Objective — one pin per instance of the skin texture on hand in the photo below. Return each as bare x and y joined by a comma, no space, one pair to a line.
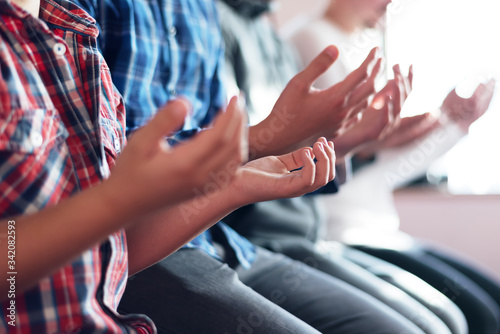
465,111
408,130
289,175
380,119
150,175
462,111
267,178
303,113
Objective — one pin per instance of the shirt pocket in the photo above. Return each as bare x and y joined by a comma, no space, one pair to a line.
32,131
35,170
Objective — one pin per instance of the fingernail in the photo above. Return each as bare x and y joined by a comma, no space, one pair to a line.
187,103
378,103
332,51
233,126
242,101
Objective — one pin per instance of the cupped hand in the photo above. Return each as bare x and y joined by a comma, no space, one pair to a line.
463,111
380,119
149,175
285,176
304,113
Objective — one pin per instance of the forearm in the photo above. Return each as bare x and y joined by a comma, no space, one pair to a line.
264,179
159,235
273,136
47,240
302,113
347,144
264,140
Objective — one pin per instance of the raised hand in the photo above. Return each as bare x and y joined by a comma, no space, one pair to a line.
304,113
379,120
149,175
289,175
464,112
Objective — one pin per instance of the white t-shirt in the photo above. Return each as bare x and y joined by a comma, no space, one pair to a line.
353,48
363,211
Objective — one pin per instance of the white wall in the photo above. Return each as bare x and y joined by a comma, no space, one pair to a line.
466,224
293,14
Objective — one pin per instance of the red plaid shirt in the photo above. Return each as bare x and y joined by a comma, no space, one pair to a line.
61,127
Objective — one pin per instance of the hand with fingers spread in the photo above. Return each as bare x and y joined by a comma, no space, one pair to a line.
459,110
464,112
304,113
150,175
380,119
290,175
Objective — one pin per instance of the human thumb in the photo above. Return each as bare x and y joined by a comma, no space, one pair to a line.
319,65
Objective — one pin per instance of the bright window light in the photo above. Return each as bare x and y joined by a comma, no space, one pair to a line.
452,42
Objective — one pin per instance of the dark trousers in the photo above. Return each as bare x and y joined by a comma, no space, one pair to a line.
472,291
190,292
419,302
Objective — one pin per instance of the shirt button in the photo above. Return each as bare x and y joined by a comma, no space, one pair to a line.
36,139
84,54
117,145
172,31
173,92
59,49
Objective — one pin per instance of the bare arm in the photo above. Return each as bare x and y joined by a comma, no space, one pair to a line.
147,177
380,119
303,113
455,109
264,179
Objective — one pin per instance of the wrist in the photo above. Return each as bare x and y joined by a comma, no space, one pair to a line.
446,119
115,203
275,135
236,195
348,144
259,141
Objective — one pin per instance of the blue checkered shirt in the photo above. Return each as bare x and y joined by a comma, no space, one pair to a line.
158,50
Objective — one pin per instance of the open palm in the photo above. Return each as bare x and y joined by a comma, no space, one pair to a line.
288,175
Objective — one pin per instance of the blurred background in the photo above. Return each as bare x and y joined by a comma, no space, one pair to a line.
450,43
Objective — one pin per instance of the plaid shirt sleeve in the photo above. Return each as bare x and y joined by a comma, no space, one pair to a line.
158,51
61,128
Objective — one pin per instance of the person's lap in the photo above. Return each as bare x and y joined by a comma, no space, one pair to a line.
190,292
328,304
331,260
482,279
480,309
